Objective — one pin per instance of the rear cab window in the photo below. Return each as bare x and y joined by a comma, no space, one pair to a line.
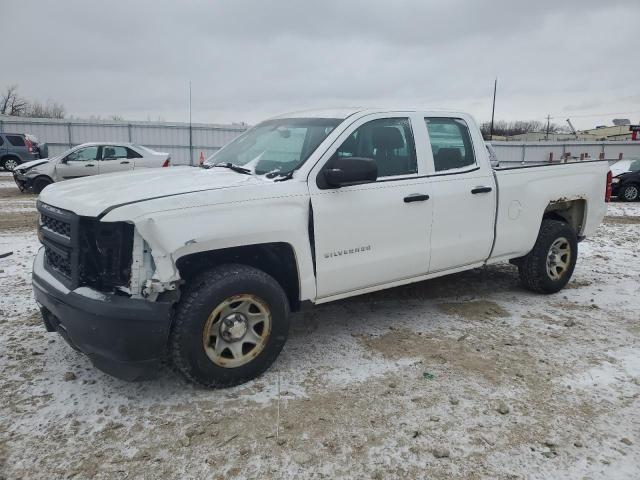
451,144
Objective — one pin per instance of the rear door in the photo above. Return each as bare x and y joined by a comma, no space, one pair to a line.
16,145
372,234
115,158
79,163
463,190
3,146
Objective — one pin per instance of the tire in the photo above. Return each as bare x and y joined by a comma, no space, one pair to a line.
41,182
9,163
629,193
547,268
212,304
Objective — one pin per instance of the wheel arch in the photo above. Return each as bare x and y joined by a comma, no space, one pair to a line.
277,259
43,176
570,211
7,156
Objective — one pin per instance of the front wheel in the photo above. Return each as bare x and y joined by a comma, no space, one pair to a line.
549,266
41,182
230,326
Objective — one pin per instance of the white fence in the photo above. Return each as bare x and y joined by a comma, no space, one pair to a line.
537,152
183,142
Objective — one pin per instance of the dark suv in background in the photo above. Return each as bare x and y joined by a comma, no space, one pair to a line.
626,180
17,148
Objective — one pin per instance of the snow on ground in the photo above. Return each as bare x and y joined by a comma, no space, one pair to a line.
467,376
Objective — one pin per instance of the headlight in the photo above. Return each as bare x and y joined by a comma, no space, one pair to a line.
39,228
615,180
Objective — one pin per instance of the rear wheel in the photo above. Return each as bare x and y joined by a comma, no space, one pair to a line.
9,163
41,182
230,326
630,193
549,266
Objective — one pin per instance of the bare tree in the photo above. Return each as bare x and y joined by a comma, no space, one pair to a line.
50,110
507,129
11,103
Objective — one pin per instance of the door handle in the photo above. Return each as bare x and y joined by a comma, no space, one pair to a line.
481,190
89,165
124,163
416,197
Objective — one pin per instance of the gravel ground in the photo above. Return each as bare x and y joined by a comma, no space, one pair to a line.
467,376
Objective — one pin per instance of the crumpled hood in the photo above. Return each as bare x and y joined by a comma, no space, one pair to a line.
32,163
91,196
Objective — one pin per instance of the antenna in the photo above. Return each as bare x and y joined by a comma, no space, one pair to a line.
493,110
190,130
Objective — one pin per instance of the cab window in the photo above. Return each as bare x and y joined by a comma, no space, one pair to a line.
389,141
450,143
83,155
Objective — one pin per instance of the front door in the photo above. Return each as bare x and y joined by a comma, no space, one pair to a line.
79,163
376,233
464,197
114,159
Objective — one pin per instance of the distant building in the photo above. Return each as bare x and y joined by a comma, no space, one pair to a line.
601,132
621,121
616,132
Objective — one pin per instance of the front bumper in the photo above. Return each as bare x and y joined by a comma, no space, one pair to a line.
22,181
124,337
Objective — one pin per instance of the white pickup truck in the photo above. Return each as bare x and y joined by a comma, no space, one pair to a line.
203,266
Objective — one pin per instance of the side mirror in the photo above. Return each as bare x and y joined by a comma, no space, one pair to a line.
351,171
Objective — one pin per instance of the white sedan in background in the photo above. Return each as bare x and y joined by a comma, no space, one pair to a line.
86,160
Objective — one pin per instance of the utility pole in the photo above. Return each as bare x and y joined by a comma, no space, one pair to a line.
493,110
190,130
546,137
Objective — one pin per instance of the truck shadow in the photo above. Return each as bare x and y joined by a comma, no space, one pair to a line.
452,303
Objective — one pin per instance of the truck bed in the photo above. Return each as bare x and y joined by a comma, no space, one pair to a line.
526,192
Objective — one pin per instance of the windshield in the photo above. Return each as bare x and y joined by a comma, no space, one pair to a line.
277,146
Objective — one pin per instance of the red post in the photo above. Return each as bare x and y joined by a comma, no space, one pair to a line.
620,156
601,156
581,156
551,157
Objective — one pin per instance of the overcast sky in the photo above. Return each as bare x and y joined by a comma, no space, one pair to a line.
248,60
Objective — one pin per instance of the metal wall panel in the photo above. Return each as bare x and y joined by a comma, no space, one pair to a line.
539,152
173,138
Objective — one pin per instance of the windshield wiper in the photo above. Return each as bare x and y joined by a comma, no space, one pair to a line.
235,168
281,176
